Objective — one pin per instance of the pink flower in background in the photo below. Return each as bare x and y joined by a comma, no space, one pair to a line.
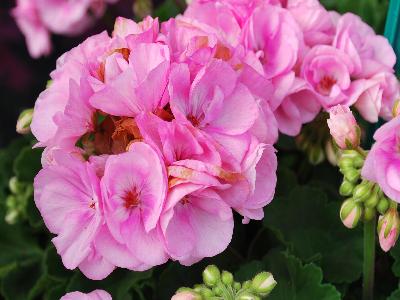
36,34
369,52
383,162
343,127
37,19
95,295
314,20
273,34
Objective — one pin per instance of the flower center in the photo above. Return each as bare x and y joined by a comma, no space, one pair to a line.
131,199
101,70
325,84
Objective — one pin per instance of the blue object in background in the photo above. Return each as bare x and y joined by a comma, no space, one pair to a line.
392,29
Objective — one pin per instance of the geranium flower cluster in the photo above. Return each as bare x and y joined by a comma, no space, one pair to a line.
37,19
156,134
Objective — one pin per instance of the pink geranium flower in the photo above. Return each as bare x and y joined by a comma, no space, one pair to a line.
68,197
134,188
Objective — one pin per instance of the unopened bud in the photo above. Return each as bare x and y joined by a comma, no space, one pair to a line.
362,191
211,275
246,285
388,229
316,155
343,127
263,283
237,286
383,205
227,278
186,295
24,121
217,290
332,152
352,175
15,186
350,213
373,199
346,188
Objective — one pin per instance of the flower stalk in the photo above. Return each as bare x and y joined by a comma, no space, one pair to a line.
369,259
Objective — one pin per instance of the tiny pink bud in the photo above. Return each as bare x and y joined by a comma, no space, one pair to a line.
388,229
343,127
185,296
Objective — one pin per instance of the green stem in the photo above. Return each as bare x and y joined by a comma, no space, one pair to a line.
369,259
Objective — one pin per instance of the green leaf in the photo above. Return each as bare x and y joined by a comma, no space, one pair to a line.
27,164
395,295
53,265
118,284
311,228
166,10
55,292
395,253
297,281
249,270
24,282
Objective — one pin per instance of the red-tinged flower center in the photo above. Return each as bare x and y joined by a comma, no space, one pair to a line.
131,199
92,205
185,200
326,83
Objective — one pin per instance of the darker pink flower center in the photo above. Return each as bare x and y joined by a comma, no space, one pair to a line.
131,199
326,84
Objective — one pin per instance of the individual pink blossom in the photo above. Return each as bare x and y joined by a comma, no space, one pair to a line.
196,222
226,17
388,229
383,164
212,103
95,295
68,197
314,20
135,83
52,102
273,34
369,52
36,34
343,127
134,188
300,104
329,71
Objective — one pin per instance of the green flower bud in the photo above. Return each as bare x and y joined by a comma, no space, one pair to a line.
246,285
217,290
211,275
383,205
263,283
316,155
24,121
237,286
369,213
352,175
346,188
345,163
227,278
248,296
373,199
14,185
358,162
350,213
198,287
362,191
206,292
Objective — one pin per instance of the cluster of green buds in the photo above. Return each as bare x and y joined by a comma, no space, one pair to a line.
365,198
219,285
17,200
